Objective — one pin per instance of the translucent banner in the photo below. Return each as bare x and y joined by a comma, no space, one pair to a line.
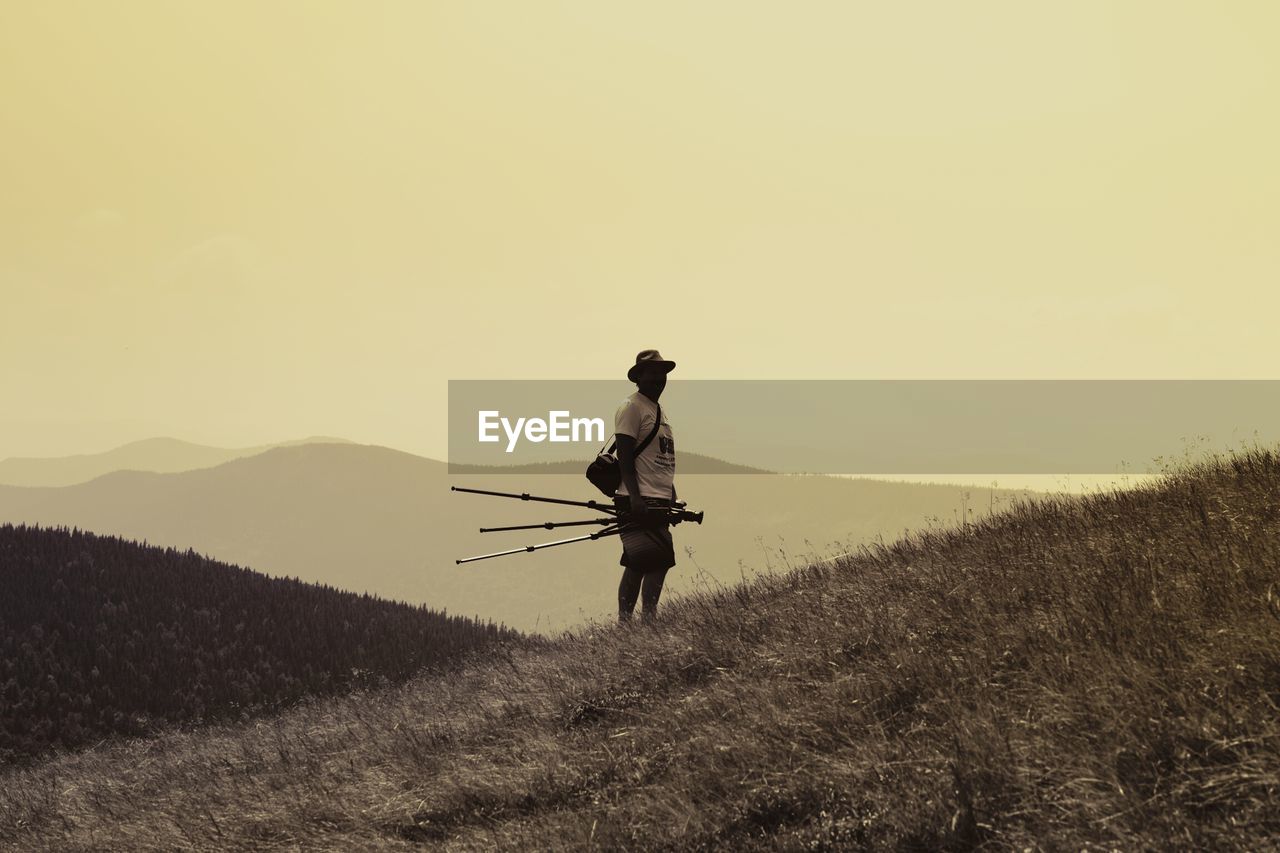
865,426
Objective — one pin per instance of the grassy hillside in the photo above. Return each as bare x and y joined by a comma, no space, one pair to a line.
1085,671
101,637
373,519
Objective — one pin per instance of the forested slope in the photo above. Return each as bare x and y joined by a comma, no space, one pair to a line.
100,637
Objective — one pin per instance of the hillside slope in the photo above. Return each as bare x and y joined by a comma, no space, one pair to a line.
368,518
100,637
1081,671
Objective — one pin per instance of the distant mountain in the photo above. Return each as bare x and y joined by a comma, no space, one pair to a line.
161,455
690,463
369,518
101,637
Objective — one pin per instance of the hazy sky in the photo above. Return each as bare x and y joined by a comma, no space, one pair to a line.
239,222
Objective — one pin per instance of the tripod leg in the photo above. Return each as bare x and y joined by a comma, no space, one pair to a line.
608,531
550,525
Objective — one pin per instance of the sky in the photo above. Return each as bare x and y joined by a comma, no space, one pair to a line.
243,222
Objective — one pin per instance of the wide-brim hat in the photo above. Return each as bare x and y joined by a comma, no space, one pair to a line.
649,356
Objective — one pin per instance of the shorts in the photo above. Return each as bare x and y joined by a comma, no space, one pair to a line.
649,547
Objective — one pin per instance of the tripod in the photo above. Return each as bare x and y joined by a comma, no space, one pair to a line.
612,523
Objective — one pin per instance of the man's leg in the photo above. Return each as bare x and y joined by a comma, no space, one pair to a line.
628,592
651,589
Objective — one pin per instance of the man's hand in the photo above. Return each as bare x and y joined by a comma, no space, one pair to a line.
640,512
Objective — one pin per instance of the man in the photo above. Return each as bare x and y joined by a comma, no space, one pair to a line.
647,462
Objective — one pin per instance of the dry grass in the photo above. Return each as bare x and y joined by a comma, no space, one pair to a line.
1096,672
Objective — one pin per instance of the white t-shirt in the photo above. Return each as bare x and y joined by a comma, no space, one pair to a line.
656,466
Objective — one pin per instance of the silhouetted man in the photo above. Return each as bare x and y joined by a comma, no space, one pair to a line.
647,459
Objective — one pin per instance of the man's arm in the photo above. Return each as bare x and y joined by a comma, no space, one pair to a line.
627,466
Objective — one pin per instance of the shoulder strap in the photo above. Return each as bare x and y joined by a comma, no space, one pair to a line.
657,424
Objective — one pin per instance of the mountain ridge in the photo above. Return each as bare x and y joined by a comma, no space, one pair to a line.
376,519
161,454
